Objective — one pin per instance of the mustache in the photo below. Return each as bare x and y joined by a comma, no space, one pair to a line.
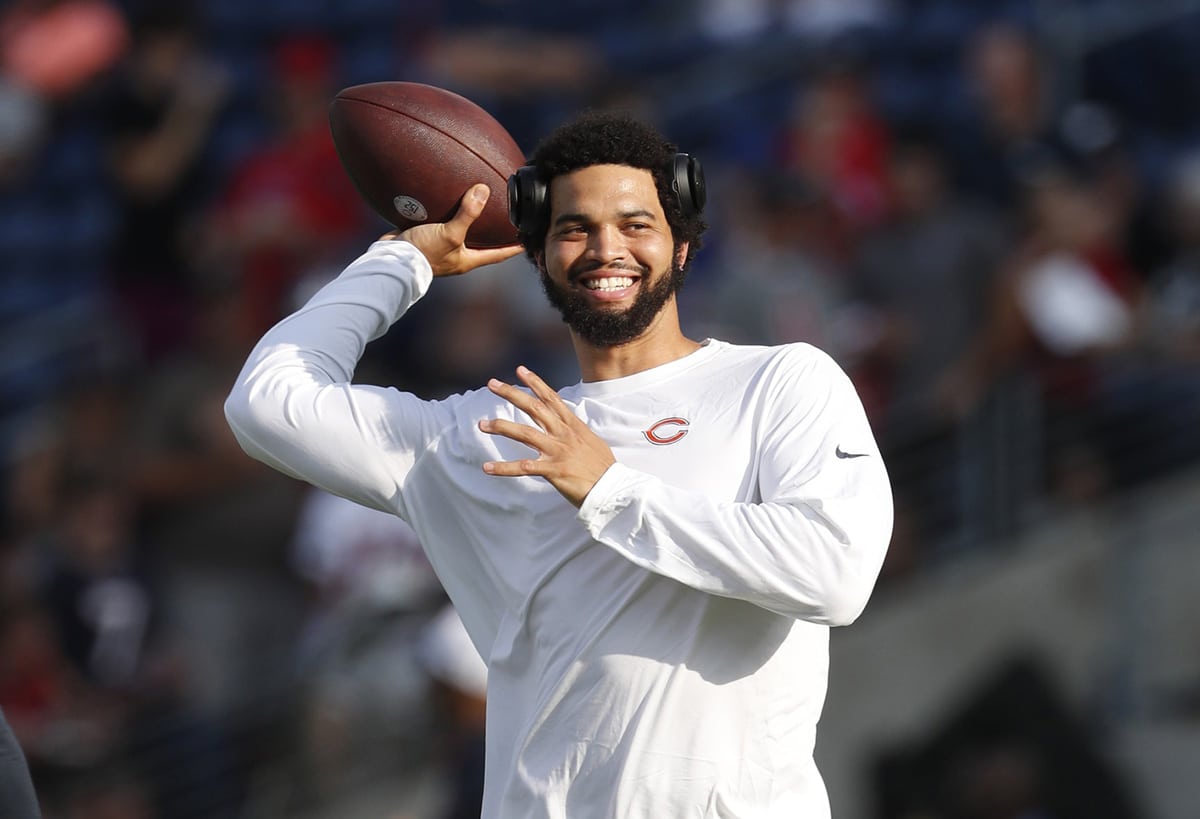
583,267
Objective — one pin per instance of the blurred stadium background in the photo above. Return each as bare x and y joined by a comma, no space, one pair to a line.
989,212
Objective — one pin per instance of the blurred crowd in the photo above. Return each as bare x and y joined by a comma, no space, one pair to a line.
992,223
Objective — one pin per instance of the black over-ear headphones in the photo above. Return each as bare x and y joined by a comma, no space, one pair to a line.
529,201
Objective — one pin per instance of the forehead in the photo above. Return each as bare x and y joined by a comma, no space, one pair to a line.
598,188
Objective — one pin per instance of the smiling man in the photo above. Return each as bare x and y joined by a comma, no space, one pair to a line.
605,247
649,560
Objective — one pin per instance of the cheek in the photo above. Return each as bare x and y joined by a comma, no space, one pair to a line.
558,259
656,256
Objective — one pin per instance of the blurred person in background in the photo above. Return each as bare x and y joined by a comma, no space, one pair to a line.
362,691
61,723
1152,387
468,340
680,546
100,584
1171,321
97,581
60,49
55,325
1015,103
1017,109
782,273
287,210
835,138
85,426
459,692
358,560
163,107
923,278
465,334
525,60
1065,307
220,525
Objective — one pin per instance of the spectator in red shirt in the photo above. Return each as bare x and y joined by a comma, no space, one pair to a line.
289,207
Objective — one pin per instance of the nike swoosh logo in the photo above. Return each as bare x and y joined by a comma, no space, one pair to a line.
843,454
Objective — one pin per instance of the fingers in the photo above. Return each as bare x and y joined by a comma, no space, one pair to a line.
531,405
533,438
493,255
512,469
540,388
543,405
522,433
537,407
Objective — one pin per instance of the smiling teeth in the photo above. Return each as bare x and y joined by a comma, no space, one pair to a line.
612,283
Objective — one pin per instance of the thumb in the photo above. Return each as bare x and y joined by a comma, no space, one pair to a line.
472,204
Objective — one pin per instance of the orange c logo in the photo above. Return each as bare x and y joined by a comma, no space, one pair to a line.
666,431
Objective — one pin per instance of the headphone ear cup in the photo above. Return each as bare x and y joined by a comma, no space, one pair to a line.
688,184
526,200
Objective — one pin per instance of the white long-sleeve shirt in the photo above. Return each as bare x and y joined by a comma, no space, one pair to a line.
661,651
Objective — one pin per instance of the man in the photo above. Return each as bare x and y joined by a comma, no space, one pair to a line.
650,559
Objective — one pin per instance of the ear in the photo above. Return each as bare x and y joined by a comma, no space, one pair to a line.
681,253
539,261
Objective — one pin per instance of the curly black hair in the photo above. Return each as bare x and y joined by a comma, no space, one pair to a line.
614,138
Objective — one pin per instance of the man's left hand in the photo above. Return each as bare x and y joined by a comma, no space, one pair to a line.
570,456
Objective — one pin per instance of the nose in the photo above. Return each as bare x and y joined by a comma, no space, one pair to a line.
605,244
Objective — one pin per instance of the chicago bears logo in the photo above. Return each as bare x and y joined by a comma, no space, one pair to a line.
666,431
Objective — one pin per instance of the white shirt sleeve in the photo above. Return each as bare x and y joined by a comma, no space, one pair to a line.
294,408
810,548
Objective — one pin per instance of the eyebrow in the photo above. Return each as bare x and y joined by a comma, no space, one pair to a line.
639,213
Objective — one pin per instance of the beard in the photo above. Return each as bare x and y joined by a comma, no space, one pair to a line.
602,327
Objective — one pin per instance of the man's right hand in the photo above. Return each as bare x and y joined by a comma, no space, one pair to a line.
443,243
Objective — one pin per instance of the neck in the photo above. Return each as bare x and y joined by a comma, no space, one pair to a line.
662,343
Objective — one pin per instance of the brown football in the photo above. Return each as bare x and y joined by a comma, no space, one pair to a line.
413,150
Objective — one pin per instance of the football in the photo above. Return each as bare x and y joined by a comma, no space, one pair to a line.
413,150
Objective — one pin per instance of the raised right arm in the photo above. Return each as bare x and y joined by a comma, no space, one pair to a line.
294,407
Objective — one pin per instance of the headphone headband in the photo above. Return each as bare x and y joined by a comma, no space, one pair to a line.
529,197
